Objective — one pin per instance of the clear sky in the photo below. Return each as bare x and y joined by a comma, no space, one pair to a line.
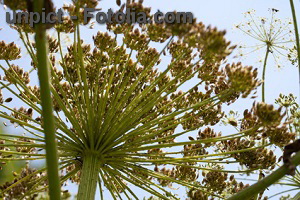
224,15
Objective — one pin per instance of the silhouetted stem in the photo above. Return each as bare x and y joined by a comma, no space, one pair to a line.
266,182
47,108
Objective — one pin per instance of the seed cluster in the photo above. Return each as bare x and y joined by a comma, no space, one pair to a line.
9,51
215,181
258,158
240,78
67,25
22,188
270,118
22,114
197,195
15,74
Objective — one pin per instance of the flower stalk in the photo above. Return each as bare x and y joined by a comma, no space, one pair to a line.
47,107
264,73
89,176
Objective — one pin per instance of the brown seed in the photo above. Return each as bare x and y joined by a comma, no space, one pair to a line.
191,138
233,122
29,111
8,100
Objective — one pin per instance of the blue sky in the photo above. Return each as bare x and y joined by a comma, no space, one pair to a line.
223,15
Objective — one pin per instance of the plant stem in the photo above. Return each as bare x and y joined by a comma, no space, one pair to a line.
256,197
89,176
264,73
296,35
47,108
266,182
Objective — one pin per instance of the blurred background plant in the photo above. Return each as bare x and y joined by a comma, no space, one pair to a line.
273,37
7,174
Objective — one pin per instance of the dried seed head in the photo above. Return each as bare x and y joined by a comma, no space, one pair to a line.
9,51
267,114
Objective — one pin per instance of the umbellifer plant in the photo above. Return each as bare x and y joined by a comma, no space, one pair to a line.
120,114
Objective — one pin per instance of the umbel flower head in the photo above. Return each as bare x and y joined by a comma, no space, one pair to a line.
273,34
119,111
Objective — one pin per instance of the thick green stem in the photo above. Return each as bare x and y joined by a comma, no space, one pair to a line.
266,182
296,35
256,197
264,73
89,176
47,108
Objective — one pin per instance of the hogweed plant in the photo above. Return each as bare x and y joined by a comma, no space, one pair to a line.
120,113
274,37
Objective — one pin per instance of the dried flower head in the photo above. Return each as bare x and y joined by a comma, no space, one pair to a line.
9,51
